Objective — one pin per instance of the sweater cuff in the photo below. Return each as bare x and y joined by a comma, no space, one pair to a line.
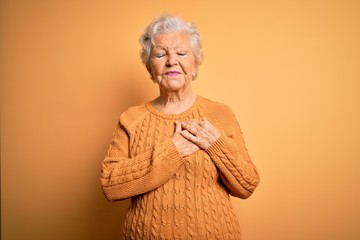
218,146
171,154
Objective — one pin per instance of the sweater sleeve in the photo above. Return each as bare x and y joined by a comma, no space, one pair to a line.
231,157
123,176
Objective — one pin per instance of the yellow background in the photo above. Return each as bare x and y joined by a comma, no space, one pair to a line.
290,70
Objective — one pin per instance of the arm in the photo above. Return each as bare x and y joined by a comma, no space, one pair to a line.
123,176
231,157
227,150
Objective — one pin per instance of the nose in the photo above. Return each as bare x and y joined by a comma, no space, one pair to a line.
171,60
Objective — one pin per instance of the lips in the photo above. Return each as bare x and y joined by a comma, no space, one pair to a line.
172,73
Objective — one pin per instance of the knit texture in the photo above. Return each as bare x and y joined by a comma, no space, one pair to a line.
174,197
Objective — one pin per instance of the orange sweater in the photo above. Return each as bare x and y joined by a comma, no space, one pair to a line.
174,197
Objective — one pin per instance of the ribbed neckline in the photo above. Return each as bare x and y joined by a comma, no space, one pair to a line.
155,111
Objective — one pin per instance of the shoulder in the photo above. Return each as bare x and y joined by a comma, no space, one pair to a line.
217,109
221,115
132,115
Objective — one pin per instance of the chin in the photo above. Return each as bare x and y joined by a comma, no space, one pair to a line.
173,88
173,83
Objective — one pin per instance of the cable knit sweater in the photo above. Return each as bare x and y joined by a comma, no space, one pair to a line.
174,197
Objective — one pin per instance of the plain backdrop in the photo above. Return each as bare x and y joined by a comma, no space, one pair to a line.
288,69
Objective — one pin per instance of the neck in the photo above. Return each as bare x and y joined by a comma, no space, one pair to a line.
174,102
166,98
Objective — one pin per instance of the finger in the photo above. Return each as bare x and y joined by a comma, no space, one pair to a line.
192,127
188,136
205,121
177,127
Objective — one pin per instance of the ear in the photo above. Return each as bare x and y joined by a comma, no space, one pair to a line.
194,74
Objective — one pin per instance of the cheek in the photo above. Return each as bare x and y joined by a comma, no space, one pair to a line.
155,73
156,68
191,68
152,71
189,64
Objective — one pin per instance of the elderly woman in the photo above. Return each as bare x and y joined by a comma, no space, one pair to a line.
179,156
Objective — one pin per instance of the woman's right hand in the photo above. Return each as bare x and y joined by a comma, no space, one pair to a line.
184,146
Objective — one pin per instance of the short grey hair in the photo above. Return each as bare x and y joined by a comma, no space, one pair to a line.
169,24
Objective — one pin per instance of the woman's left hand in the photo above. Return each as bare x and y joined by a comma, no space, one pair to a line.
200,132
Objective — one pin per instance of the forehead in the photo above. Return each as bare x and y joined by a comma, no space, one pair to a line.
171,40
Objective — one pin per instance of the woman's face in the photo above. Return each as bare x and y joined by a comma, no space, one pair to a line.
172,62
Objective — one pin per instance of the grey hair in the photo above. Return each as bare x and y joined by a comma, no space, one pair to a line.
168,24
